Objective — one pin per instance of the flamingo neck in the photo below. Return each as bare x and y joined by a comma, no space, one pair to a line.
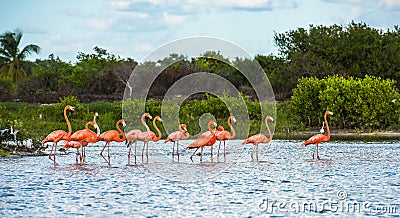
181,130
327,128
87,128
144,123
68,123
158,131
120,131
209,128
98,130
232,129
269,131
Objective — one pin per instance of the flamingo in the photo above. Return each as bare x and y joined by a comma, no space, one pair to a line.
136,135
174,137
223,135
92,138
59,135
316,139
81,138
112,135
259,138
153,136
206,139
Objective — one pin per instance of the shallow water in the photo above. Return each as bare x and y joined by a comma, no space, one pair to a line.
352,179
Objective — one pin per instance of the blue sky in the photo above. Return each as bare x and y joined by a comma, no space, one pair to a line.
134,28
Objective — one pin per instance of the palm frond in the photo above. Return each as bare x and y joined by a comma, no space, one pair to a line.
27,50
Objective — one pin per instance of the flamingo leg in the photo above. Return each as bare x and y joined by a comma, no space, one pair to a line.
177,150
129,154
201,154
219,148
108,155
81,156
317,151
147,152
54,154
135,151
144,145
76,156
51,151
224,150
253,152
84,154
173,146
101,153
313,152
191,157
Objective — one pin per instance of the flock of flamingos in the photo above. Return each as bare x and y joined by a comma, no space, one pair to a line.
81,138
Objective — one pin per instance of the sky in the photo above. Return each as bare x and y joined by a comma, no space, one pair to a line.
135,28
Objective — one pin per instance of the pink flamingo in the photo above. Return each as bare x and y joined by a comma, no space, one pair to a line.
136,135
206,139
174,137
59,135
112,135
316,139
223,135
153,136
81,138
259,138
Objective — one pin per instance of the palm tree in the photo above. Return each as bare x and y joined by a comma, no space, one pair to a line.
11,58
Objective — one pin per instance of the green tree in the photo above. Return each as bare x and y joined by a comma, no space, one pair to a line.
11,57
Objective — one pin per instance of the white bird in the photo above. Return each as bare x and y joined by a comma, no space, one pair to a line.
12,132
322,128
3,131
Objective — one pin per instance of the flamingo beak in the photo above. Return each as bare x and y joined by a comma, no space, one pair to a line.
72,108
234,120
123,123
330,113
272,119
160,120
150,117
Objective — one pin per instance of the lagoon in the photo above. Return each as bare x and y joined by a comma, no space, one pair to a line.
351,179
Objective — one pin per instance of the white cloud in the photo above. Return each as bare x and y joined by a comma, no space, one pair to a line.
99,24
173,19
196,6
390,4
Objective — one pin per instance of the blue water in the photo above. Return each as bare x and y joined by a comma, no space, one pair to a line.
352,179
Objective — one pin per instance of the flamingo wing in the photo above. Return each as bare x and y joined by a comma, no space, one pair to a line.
255,139
175,136
79,135
206,134
315,139
199,143
55,136
223,135
108,136
71,144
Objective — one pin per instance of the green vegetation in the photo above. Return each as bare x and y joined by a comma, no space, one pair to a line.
368,104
